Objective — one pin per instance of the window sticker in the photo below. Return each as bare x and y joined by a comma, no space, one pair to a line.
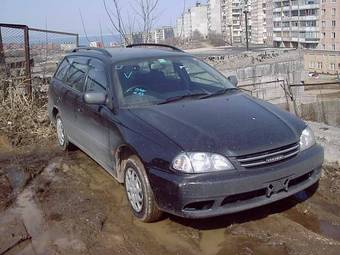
128,75
139,91
162,61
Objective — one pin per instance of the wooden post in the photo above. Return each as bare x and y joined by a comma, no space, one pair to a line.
27,60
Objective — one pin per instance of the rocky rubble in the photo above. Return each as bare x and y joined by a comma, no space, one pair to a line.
236,61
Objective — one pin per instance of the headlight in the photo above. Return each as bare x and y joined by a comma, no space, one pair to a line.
200,162
307,139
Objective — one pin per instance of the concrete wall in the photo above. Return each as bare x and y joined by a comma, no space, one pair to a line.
322,111
268,79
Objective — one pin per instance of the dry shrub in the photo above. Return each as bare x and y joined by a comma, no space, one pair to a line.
23,119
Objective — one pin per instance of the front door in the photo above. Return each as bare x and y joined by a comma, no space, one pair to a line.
93,120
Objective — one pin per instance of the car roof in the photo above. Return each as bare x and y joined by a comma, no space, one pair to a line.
126,54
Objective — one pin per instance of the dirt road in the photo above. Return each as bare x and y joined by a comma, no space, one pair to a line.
57,203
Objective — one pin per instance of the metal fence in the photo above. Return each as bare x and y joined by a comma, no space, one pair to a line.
318,101
30,55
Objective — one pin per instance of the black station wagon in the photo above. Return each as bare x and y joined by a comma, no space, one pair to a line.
181,136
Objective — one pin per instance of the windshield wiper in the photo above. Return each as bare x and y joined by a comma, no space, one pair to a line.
178,98
218,92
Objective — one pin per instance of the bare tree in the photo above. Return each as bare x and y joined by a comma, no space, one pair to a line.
84,28
147,11
116,19
182,20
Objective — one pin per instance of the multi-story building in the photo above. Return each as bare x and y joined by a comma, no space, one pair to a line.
329,25
233,20
258,21
194,19
135,37
269,22
322,61
199,19
163,34
155,36
215,16
295,23
326,59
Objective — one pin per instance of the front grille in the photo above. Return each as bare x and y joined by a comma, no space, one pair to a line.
269,157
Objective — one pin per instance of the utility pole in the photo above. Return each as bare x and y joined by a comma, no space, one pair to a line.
231,35
246,21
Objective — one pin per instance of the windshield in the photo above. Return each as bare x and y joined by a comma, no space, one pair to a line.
153,81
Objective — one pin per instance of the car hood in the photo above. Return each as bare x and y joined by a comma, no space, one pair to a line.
233,125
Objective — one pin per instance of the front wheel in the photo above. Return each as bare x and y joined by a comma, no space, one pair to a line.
139,192
61,134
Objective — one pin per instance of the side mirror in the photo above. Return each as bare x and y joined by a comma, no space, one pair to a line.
95,98
233,80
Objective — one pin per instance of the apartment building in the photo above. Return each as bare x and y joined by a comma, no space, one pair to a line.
269,23
215,16
329,25
155,36
326,59
233,20
322,61
194,19
163,34
295,23
258,21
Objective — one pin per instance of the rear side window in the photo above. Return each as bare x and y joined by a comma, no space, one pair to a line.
97,79
64,65
76,73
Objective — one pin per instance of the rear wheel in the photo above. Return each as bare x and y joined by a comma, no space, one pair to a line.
139,192
61,134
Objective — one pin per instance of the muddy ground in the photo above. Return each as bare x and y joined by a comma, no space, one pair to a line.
53,202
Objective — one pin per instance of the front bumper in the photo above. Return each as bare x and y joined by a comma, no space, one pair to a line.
213,194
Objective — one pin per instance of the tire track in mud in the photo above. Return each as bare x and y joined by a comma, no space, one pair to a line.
94,218
250,236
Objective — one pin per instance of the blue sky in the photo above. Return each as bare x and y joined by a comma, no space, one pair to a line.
64,14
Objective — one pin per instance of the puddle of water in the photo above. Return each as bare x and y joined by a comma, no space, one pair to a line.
33,218
30,213
330,230
211,240
311,222
167,236
248,245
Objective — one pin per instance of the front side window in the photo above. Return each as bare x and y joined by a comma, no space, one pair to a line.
151,81
62,69
76,73
97,79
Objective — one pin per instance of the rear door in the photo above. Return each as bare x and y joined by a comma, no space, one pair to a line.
93,120
62,95
73,89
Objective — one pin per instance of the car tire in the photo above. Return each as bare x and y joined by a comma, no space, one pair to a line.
62,138
138,191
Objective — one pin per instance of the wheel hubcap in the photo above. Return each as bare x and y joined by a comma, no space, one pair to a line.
60,132
134,189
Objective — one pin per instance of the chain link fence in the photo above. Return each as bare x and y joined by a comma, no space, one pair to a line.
14,61
29,56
